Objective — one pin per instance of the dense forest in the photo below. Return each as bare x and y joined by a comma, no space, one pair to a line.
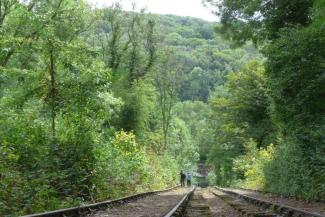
269,117
101,103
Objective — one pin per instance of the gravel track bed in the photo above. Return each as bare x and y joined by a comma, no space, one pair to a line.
198,206
316,207
218,207
151,206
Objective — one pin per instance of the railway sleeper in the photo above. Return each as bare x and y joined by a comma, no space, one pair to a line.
245,208
85,210
180,209
250,206
197,207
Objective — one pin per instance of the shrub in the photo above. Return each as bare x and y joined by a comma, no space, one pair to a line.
252,164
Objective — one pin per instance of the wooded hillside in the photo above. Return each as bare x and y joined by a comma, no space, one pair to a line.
92,102
101,103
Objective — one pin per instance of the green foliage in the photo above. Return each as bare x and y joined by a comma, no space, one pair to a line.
127,41
253,164
139,103
212,178
196,115
301,178
80,118
292,90
239,112
183,149
205,60
120,166
97,104
125,166
295,81
260,20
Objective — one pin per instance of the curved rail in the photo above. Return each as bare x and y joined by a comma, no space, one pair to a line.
86,209
278,208
179,209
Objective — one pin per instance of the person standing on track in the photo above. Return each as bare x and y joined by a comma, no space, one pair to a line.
182,176
189,179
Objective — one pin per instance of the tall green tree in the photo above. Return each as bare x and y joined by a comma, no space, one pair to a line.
54,97
260,20
128,44
292,33
295,79
239,112
167,79
197,116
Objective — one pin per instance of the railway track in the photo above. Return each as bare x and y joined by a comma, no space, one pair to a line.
252,206
84,210
166,203
239,205
184,202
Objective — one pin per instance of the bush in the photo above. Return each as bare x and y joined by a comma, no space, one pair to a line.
212,178
252,164
292,175
295,71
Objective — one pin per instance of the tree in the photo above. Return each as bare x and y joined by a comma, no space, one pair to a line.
295,82
112,49
55,99
167,79
196,115
292,34
260,20
123,46
86,96
128,44
239,112
18,39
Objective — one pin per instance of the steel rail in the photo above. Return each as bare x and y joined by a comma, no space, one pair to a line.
86,209
268,192
179,209
278,208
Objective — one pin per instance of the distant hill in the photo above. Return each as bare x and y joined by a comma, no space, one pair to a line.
205,56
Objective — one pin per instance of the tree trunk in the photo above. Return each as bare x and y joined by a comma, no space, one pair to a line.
52,94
